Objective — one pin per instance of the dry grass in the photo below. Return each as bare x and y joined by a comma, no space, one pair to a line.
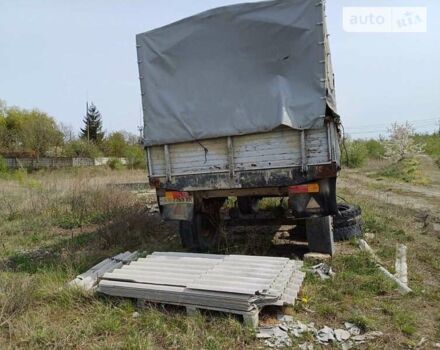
56,225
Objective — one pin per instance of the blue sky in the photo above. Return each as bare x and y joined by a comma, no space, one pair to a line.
57,53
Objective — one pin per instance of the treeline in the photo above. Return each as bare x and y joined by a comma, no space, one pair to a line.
355,153
33,133
402,142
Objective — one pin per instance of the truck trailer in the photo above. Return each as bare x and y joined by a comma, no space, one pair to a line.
239,101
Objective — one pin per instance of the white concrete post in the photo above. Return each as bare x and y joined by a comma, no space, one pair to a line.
401,265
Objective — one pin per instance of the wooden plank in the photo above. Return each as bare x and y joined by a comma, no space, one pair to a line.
275,149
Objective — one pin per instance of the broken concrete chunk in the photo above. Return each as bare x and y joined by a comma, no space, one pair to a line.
349,325
269,344
367,336
373,334
316,258
323,270
347,345
352,328
325,334
264,333
358,338
278,336
285,318
342,334
369,236
283,327
278,332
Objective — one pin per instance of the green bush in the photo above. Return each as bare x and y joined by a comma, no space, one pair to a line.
115,164
354,153
3,165
81,148
135,156
431,143
375,149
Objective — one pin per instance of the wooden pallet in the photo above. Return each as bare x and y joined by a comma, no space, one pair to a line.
250,318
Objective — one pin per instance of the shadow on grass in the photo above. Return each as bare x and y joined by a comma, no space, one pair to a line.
265,240
135,230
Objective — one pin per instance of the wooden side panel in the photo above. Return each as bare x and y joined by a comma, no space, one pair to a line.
280,148
157,161
196,157
317,146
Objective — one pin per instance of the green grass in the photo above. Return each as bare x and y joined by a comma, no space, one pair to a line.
45,245
431,144
407,170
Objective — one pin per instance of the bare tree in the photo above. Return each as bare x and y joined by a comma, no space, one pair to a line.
68,132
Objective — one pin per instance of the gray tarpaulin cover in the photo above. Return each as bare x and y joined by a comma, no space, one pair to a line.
236,70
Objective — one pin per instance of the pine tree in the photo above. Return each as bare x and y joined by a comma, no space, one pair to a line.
92,130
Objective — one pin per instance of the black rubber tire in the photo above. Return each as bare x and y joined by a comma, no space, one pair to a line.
347,211
199,235
234,213
299,231
186,235
206,233
349,222
346,233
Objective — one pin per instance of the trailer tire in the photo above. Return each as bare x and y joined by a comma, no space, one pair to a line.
206,232
299,231
345,233
186,234
245,205
200,234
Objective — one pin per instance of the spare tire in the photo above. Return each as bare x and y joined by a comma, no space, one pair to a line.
347,232
347,211
348,223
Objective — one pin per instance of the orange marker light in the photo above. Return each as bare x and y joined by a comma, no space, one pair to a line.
307,188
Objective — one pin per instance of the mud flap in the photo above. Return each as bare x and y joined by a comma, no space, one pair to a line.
178,211
320,235
176,205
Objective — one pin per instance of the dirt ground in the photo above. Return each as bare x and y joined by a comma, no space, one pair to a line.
423,198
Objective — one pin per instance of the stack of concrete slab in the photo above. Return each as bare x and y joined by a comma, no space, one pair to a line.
89,279
231,283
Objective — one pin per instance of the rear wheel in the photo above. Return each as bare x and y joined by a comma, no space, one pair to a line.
247,205
187,235
203,233
207,231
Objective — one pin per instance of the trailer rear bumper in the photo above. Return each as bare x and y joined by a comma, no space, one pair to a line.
267,180
320,200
